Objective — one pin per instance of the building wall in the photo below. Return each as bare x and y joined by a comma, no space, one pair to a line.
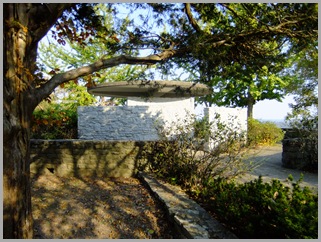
137,121
234,118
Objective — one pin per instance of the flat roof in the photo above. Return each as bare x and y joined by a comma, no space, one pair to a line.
143,88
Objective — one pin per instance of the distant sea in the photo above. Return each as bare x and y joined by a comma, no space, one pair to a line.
279,122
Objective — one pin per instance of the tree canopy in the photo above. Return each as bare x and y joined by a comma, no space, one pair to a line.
241,50
53,57
253,56
304,113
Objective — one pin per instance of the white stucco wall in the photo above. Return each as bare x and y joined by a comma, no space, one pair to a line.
187,103
235,118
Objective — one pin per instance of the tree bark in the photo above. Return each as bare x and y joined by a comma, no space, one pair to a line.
17,109
250,104
22,33
17,216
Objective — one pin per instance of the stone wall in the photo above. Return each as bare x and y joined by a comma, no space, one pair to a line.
116,123
137,121
85,158
189,219
298,152
292,155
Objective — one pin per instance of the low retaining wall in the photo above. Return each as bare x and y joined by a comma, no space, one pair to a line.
292,155
189,219
298,152
85,158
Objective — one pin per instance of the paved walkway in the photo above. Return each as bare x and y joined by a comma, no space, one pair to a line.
271,167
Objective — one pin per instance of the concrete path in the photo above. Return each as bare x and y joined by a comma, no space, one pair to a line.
270,158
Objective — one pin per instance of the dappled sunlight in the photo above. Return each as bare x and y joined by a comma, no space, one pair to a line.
88,209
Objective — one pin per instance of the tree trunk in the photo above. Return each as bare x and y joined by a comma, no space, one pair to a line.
19,63
17,110
17,216
250,104
250,110
24,26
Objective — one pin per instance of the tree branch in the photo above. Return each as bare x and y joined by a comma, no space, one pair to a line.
47,88
191,18
231,10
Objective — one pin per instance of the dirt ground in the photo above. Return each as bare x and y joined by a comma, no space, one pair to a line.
116,208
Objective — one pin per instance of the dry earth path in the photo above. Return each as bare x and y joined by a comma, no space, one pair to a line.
116,208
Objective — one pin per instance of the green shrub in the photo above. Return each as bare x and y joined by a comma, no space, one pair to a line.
183,160
263,133
263,210
251,210
54,122
56,117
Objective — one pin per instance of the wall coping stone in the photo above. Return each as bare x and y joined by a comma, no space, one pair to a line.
189,218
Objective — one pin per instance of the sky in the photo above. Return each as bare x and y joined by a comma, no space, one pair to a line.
266,110
272,109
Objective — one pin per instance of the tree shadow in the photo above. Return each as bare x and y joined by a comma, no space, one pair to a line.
85,158
80,199
95,208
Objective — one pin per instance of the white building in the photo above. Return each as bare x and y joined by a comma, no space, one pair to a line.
139,120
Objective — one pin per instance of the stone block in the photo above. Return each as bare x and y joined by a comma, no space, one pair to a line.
189,219
86,158
293,156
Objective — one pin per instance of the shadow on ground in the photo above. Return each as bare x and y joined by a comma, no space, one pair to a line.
116,208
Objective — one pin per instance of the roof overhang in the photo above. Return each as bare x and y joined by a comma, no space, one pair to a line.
168,89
